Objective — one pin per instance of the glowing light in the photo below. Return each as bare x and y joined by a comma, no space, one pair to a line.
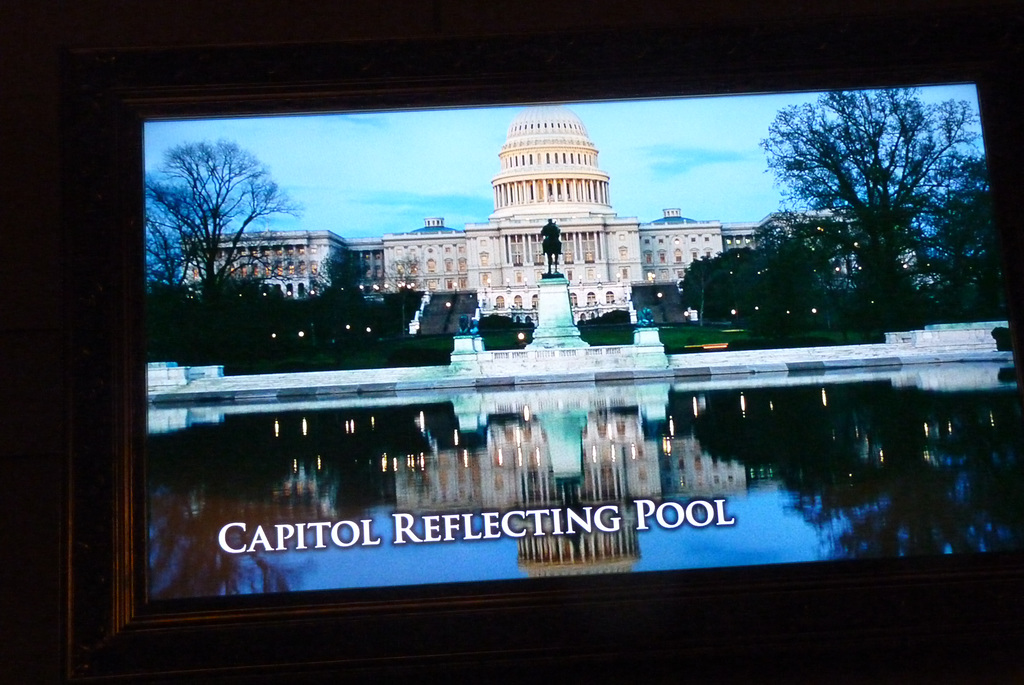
632,448
302,334
384,462
672,426
501,457
295,465
273,335
368,329
465,458
926,430
521,337
695,405
743,403
277,429
319,464
526,413
305,429
824,398
456,435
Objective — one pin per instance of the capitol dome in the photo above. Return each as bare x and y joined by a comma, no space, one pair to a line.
549,167
553,120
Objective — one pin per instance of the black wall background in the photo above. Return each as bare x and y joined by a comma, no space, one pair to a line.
33,34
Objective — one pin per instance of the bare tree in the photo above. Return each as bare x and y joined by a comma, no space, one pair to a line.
199,205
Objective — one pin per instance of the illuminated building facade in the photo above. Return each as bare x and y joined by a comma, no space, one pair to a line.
548,170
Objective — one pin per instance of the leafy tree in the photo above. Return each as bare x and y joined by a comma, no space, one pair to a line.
874,160
959,263
717,286
198,205
803,275
698,281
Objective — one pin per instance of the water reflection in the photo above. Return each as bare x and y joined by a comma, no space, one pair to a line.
813,467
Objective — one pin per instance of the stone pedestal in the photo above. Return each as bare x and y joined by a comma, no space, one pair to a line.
555,325
464,354
468,344
648,350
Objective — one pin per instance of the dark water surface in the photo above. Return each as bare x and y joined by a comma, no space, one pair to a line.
919,461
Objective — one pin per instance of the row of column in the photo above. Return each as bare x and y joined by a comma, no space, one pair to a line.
572,244
556,190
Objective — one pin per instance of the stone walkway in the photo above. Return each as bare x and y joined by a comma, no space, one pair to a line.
317,384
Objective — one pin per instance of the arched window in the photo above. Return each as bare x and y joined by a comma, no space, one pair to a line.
679,256
517,302
623,252
533,301
574,300
648,257
462,264
591,299
448,265
609,297
485,258
499,301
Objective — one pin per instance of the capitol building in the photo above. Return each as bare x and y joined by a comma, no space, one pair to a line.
549,169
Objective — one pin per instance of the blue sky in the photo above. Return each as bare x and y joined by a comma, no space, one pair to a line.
373,173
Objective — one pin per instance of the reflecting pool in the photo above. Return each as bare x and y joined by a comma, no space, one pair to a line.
509,483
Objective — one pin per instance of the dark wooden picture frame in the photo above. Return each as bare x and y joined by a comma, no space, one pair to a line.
552,625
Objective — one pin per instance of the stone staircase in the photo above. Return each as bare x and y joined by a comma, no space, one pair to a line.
668,308
441,315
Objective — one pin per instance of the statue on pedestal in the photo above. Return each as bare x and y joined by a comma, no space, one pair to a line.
551,245
468,325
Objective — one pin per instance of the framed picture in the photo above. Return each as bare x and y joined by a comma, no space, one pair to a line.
421,354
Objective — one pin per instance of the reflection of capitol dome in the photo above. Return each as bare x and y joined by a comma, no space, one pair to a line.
549,166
